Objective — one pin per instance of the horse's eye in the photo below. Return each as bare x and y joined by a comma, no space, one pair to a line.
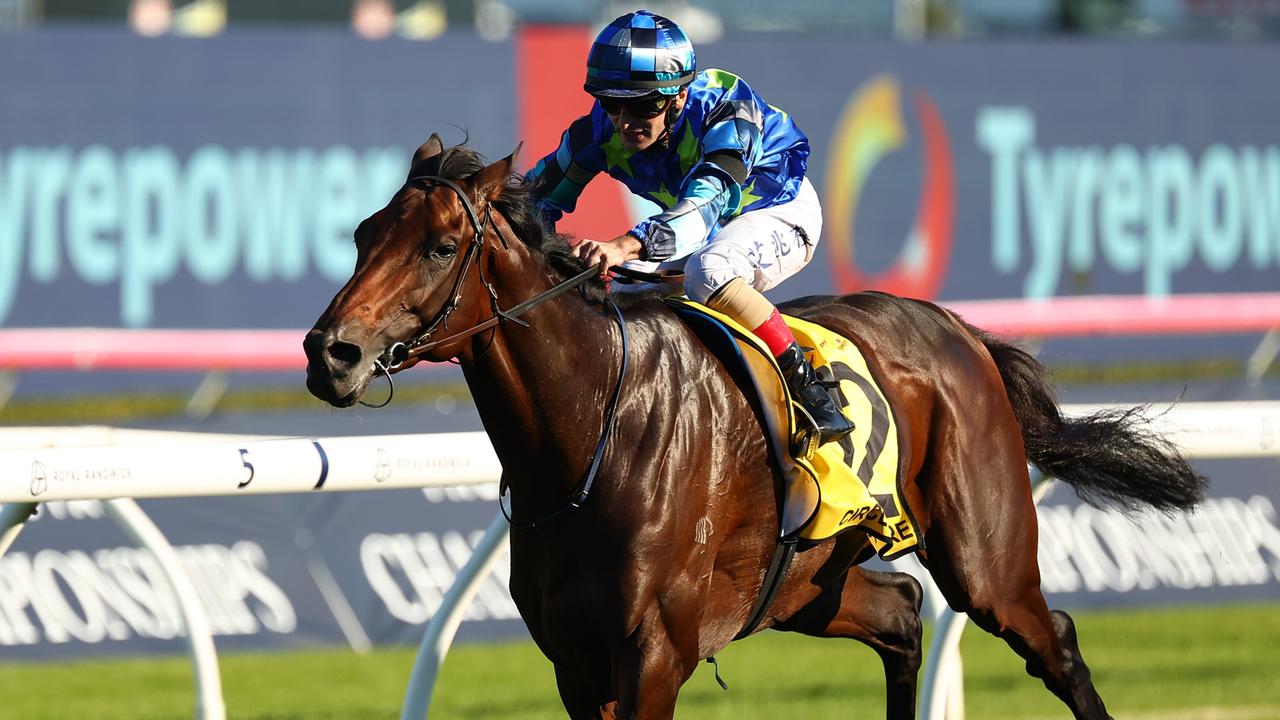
444,251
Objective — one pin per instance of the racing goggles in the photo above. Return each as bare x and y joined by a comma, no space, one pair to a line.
649,106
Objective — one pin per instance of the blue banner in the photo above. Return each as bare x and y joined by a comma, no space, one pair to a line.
215,183
272,571
978,170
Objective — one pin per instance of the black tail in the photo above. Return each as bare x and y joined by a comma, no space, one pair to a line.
1110,457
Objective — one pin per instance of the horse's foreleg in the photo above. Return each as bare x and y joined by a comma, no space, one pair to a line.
579,703
882,610
648,677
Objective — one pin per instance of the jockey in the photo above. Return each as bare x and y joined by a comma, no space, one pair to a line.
739,215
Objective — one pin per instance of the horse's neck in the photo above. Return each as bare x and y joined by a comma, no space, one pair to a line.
542,390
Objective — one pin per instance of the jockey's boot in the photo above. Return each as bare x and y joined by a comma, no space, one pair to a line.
812,395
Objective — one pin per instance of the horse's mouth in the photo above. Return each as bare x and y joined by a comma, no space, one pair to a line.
340,388
340,393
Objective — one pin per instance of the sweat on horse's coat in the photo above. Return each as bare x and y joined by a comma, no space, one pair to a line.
618,594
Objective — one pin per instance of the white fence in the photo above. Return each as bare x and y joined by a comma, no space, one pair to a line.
213,466
139,464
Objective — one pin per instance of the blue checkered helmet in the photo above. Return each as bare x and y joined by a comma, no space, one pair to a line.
639,54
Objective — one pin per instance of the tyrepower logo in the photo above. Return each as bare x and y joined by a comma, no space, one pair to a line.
1179,215
870,128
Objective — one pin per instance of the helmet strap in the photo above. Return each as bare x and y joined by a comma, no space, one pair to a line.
672,115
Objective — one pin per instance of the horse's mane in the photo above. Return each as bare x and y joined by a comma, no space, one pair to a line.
517,204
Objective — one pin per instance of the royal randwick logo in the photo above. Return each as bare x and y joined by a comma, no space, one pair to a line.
870,128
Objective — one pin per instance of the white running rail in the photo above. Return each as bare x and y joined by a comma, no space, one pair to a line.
190,465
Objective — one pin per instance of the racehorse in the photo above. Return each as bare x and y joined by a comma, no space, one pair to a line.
626,589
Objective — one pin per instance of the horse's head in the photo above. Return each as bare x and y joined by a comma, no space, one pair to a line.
417,272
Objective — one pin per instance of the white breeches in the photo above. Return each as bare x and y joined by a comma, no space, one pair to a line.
763,247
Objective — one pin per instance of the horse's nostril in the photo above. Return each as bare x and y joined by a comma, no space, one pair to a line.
313,342
344,353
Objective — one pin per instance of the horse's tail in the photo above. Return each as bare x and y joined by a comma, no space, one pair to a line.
1108,457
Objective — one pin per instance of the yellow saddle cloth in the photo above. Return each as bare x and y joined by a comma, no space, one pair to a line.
852,483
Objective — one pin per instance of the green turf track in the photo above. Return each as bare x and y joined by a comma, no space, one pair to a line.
1220,663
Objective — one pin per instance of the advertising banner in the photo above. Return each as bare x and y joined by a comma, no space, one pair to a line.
1227,550
174,183
272,571
1019,170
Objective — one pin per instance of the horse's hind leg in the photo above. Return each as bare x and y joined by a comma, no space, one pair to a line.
1047,642
882,610
1078,675
981,550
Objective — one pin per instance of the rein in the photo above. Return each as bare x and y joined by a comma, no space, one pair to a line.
626,276
394,357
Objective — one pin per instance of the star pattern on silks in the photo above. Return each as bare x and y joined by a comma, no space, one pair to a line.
662,196
615,155
687,150
720,79
748,196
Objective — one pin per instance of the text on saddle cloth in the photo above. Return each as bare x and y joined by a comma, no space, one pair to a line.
851,483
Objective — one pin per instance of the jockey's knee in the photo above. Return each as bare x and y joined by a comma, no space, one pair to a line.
700,287
707,272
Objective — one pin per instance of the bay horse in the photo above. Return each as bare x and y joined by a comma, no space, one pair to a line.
627,589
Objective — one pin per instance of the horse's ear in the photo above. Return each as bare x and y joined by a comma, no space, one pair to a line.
491,181
429,149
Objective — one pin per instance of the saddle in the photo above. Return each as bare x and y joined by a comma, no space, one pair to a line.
837,487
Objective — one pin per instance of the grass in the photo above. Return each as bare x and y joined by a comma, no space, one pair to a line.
109,408
1189,663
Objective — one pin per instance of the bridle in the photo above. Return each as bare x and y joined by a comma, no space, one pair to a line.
394,357
397,354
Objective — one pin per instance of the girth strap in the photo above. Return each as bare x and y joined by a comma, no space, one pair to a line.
773,577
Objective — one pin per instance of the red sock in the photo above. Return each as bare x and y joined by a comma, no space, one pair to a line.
775,333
